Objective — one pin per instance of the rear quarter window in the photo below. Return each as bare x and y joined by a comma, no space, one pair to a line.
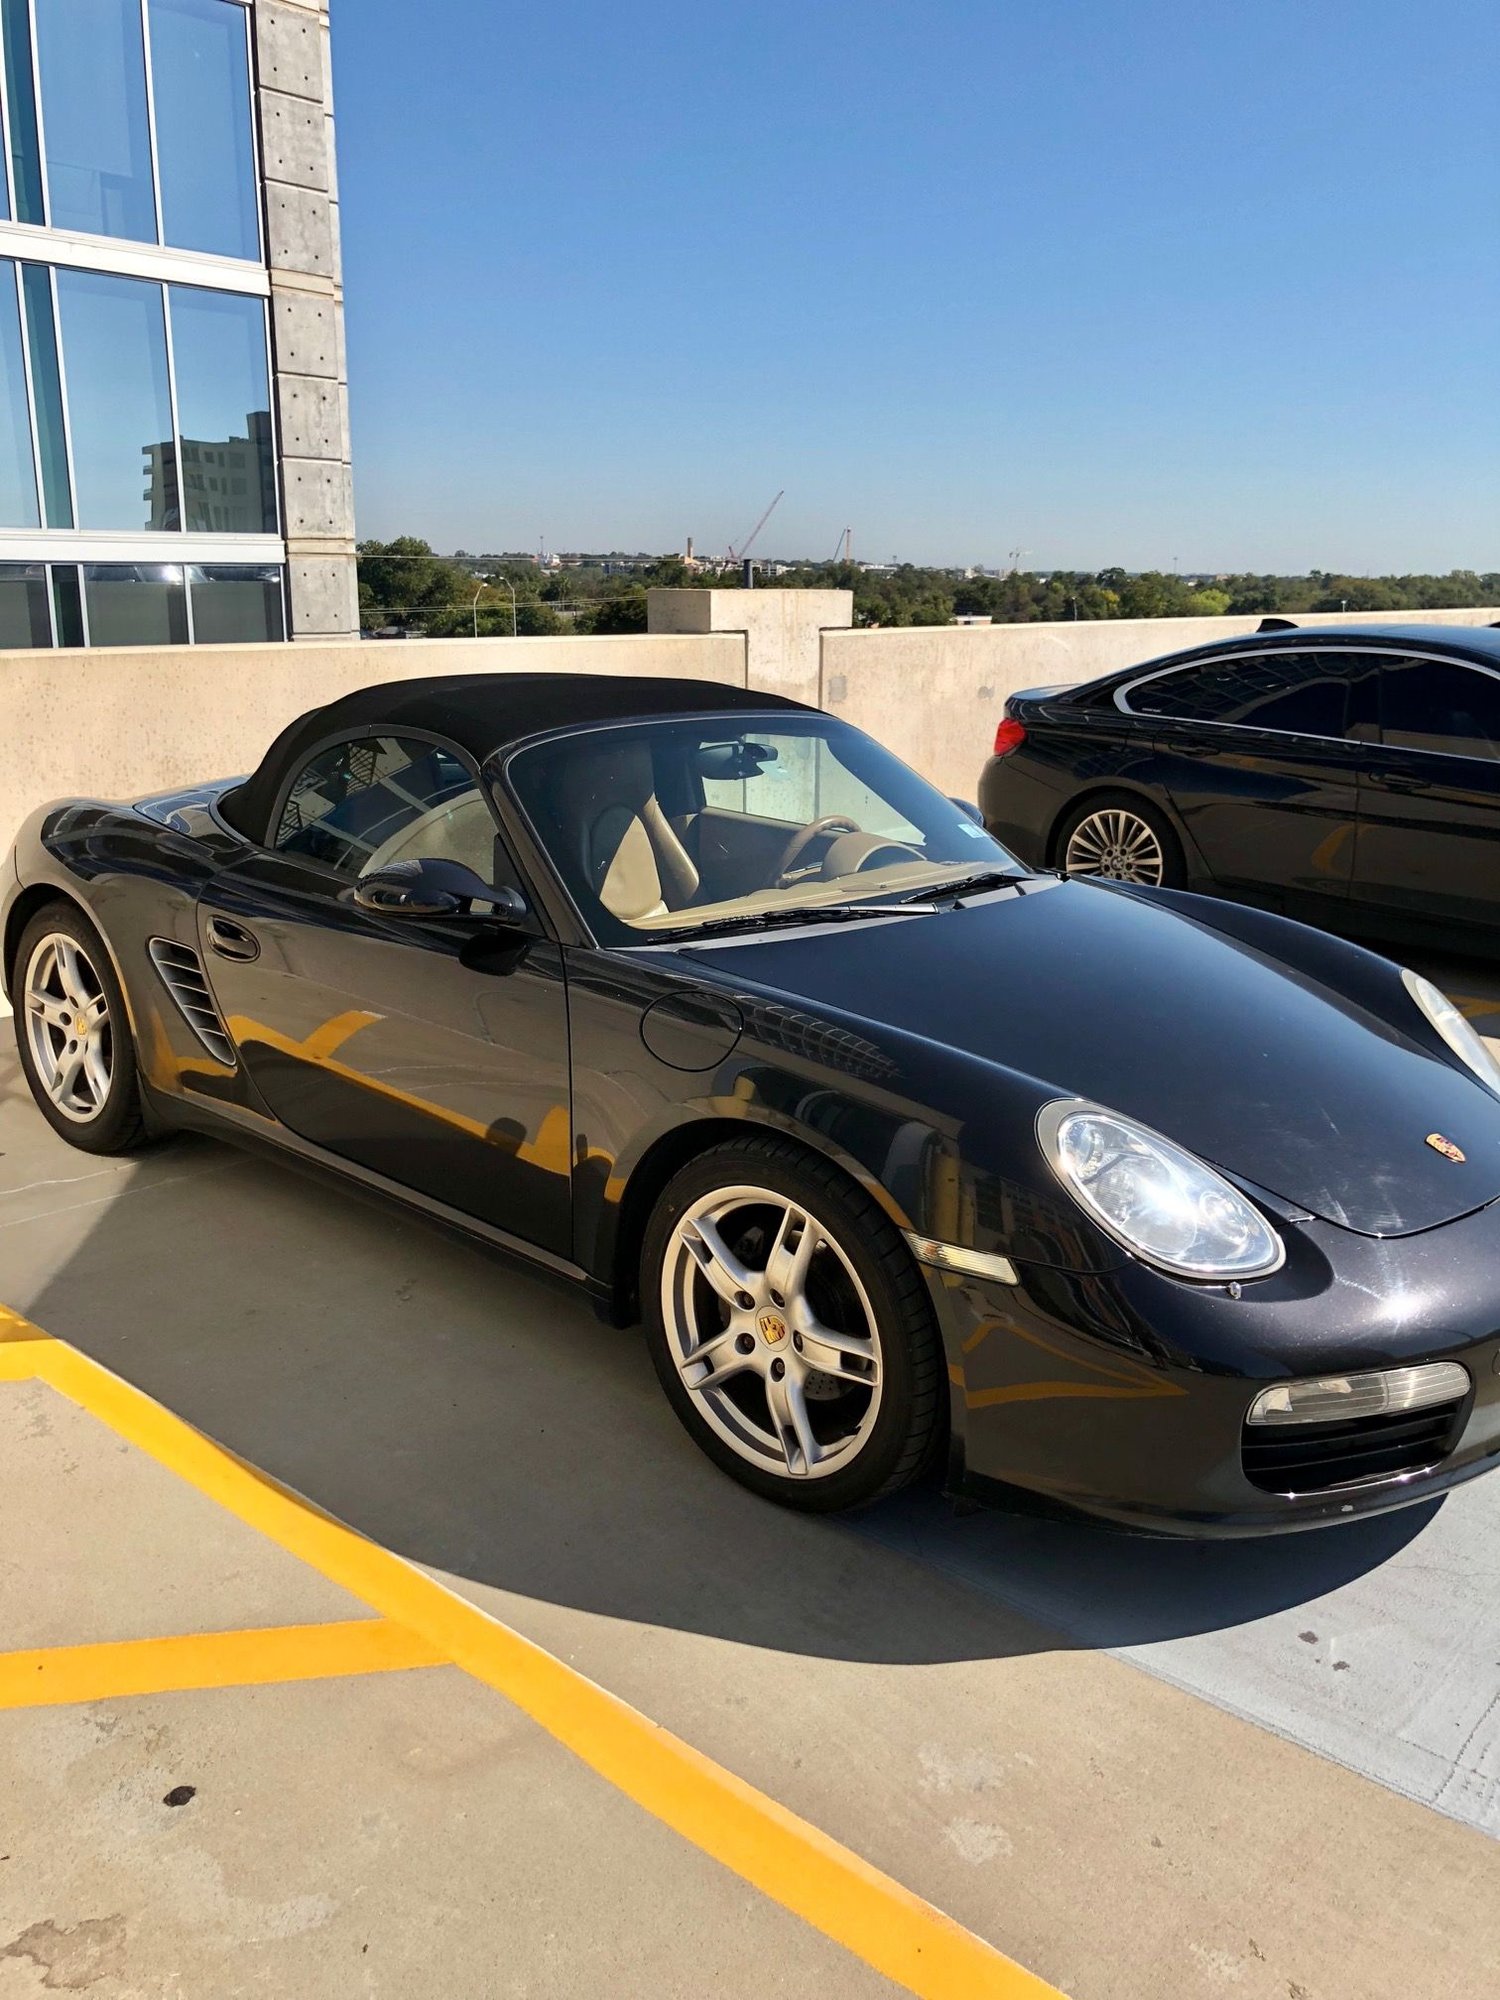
1292,693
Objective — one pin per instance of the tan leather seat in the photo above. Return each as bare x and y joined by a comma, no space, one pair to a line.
631,855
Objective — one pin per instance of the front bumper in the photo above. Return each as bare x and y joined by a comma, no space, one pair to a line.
1122,1394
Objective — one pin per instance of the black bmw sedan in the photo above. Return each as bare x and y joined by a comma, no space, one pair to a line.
907,1155
1346,775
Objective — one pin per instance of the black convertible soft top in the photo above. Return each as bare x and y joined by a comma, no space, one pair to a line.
480,713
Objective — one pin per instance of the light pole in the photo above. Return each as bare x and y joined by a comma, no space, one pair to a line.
490,583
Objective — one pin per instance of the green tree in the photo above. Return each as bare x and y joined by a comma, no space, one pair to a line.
403,582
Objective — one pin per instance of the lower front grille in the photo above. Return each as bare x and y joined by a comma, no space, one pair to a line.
1311,1458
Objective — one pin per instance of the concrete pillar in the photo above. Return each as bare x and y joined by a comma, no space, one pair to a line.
783,630
295,101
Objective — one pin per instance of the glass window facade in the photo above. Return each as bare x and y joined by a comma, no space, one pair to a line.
227,456
136,604
145,129
200,69
114,342
18,502
67,605
24,617
140,604
107,388
91,57
22,140
135,409
236,603
46,394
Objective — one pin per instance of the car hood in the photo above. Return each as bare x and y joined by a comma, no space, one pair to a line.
1266,1071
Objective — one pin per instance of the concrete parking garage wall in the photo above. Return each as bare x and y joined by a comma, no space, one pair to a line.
121,724
935,693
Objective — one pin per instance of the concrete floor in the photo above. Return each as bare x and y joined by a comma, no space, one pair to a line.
961,1700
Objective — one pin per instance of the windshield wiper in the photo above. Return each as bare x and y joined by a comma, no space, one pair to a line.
966,885
778,919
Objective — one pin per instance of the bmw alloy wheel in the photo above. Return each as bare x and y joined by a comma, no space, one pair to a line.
68,1028
772,1332
1115,843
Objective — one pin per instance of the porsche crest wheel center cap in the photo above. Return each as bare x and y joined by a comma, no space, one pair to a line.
772,1328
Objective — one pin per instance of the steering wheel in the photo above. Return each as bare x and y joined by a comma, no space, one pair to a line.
800,841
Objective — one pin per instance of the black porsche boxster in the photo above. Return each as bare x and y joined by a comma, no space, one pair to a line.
1097,1195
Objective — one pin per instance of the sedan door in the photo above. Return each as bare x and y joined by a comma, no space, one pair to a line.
432,1051
1254,754
1429,829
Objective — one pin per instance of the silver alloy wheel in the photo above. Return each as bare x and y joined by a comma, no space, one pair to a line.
771,1330
68,1027
1115,843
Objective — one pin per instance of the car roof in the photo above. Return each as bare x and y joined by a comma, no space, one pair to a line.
480,714
1481,640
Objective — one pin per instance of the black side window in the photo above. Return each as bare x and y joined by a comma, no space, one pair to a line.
1440,705
1297,693
1192,694
376,799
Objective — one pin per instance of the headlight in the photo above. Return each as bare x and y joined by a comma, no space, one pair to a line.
1453,1028
1154,1198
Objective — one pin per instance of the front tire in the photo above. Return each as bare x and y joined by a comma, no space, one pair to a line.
791,1329
73,1033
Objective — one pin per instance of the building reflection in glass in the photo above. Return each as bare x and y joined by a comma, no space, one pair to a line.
223,485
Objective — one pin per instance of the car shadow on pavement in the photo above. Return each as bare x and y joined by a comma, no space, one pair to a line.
483,1422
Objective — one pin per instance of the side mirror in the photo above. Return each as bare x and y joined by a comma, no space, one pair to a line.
434,888
969,810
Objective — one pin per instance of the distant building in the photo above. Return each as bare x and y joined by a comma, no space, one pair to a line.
170,302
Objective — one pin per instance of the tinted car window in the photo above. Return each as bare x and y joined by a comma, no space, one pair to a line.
1440,705
361,804
1296,692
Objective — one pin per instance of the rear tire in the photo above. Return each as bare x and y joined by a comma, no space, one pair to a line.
1119,837
791,1329
73,1033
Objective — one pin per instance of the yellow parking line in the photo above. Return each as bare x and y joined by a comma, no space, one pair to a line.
873,1916
51,1676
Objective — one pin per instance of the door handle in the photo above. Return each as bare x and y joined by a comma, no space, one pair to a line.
1398,781
231,940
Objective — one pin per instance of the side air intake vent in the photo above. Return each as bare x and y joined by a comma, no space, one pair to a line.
181,971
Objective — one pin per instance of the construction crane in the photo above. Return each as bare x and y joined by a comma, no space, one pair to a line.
741,554
843,548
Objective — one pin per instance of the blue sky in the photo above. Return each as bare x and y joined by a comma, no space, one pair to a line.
1124,281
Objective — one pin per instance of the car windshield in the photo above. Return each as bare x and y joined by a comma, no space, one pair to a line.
659,827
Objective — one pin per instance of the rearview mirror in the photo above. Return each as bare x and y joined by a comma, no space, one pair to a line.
434,888
734,760
969,810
